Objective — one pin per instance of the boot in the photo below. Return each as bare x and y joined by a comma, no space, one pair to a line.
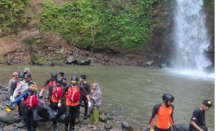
71,128
55,128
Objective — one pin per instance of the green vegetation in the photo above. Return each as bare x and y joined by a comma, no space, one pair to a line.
100,24
40,59
209,3
13,15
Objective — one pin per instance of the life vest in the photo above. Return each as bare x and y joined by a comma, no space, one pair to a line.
52,83
56,93
73,96
31,101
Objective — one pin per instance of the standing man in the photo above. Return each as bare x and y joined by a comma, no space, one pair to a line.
29,106
61,75
55,92
72,102
13,87
197,121
86,86
164,112
50,82
11,81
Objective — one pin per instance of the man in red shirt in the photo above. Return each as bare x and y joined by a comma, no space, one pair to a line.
164,112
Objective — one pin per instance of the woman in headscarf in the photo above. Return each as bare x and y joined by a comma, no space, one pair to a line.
11,81
94,104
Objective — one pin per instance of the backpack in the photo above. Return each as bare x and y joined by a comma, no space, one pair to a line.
75,95
31,101
57,92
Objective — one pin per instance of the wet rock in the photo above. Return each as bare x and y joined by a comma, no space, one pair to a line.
149,63
6,117
121,117
85,62
79,57
119,108
70,59
110,113
125,125
103,118
107,127
110,118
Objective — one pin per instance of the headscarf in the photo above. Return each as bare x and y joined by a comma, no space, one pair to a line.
96,98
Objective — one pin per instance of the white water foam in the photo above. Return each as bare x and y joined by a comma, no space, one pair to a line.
191,39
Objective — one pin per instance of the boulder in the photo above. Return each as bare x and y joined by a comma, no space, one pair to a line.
85,62
6,117
70,59
103,118
126,127
79,57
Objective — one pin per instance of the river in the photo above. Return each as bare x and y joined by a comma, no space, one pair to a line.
137,89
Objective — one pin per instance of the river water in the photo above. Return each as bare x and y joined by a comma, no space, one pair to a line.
137,89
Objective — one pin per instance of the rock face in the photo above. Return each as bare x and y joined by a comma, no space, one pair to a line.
6,117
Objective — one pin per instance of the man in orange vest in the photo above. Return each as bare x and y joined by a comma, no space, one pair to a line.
72,102
55,93
49,82
164,112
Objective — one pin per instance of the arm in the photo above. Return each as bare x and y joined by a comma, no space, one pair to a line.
64,91
9,83
171,117
46,83
39,101
50,92
19,98
194,120
195,126
82,89
17,90
154,112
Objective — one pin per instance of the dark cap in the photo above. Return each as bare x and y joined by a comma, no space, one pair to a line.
27,76
207,103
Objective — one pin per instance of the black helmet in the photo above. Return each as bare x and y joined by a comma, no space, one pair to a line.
54,74
59,80
74,78
21,75
168,97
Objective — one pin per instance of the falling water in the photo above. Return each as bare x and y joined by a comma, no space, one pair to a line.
191,39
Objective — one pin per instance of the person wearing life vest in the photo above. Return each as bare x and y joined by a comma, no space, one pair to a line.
164,112
83,97
61,74
14,86
29,104
49,82
72,102
55,92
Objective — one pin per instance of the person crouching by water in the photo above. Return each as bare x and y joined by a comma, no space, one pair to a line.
72,101
29,106
55,92
197,121
164,112
95,99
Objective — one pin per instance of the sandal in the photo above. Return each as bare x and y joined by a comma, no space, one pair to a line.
94,129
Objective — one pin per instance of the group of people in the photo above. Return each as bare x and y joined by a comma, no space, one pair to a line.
164,113
63,98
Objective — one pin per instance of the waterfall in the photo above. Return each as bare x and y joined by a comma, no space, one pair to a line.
191,38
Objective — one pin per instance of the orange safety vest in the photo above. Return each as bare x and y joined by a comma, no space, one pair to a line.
68,98
56,93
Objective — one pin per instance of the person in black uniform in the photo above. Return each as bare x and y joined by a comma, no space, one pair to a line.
197,121
86,86
29,106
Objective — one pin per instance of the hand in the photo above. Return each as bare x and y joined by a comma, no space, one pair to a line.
41,94
59,104
89,103
11,98
147,129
